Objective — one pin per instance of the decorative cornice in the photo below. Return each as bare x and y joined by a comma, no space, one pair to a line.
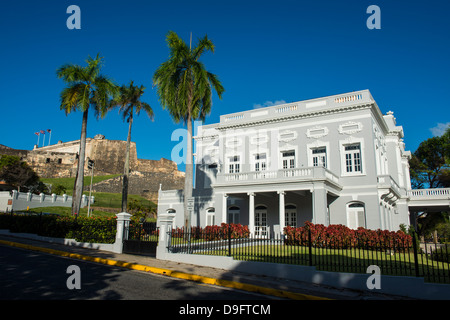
305,115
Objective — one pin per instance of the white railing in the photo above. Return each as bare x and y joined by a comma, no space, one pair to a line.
236,177
298,107
297,172
353,97
430,193
288,108
281,175
234,117
21,201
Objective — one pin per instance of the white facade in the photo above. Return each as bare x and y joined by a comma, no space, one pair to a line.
331,160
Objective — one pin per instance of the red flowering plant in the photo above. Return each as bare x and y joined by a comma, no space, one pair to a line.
235,230
212,233
340,236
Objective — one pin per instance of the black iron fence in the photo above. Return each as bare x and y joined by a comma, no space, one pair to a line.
398,258
141,238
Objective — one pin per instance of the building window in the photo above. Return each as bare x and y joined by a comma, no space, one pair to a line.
288,160
319,157
353,161
233,214
260,162
261,228
356,215
290,215
47,160
171,211
234,164
210,217
59,161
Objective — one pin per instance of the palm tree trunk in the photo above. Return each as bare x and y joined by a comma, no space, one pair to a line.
126,169
188,180
79,180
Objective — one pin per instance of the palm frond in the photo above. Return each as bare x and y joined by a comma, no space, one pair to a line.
184,86
128,99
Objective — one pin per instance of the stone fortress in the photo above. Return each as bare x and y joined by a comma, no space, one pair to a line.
60,161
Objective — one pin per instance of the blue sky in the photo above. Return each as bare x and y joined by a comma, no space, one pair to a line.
266,51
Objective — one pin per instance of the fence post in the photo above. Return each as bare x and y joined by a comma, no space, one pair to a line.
416,261
165,222
229,240
123,221
310,248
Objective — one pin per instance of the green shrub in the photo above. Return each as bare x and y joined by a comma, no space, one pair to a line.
59,189
82,229
441,254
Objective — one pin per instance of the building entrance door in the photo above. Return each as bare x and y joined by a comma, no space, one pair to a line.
261,228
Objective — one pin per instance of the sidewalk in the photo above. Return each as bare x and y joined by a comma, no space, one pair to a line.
280,288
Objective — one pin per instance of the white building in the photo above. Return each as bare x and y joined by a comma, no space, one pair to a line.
331,160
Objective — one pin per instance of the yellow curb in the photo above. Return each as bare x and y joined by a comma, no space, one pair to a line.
171,273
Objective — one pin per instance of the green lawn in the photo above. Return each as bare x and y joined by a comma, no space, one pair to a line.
340,260
69,182
67,211
114,200
101,199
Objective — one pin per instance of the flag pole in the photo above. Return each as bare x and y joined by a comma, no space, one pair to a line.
38,134
49,138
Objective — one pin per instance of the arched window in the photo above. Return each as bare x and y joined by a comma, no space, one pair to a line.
290,215
356,215
210,216
171,211
233,214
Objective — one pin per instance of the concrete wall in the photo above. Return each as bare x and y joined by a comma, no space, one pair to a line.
394,285
65,241
21,201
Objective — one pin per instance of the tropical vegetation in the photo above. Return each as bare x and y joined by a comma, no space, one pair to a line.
86,88
185,87
129,102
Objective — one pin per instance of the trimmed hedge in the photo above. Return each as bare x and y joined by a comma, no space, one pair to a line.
82,229
340,236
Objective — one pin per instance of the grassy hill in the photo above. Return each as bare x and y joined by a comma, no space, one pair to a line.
69,182
104,203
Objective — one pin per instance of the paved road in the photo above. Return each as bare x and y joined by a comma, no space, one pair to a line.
33,275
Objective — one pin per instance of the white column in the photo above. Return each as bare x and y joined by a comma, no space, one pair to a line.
281,211
165,223
123,221
251,212
319,205
224,208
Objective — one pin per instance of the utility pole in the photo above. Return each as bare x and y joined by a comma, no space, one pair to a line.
90,166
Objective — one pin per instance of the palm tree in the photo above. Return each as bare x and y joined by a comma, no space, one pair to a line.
184,88
129,101
86,88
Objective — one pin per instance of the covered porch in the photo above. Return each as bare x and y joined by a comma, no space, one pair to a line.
268,201
267,213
